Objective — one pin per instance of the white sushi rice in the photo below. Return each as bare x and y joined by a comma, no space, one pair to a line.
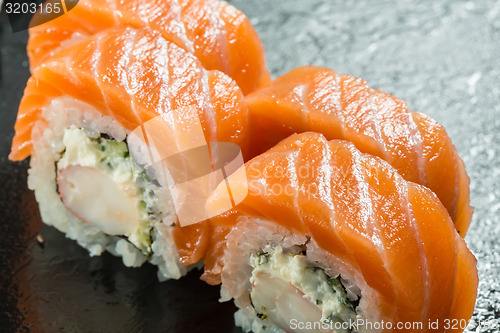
48,147
250,236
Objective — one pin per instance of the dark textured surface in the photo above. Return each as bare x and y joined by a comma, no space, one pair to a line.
441,57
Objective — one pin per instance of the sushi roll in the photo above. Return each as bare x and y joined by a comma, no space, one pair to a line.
218,34
76,120
329,238
344,107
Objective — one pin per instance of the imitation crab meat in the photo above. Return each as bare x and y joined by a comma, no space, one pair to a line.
95,198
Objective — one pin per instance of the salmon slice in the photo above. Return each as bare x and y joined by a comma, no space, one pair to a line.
395,235
217,33
134,76
344,107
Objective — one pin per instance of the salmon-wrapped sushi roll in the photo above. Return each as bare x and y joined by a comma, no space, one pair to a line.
344,107
332,239
76,118
218,34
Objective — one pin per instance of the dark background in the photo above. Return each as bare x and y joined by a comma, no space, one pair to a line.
442,57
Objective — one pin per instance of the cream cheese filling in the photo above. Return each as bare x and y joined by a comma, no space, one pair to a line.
287,288
102,185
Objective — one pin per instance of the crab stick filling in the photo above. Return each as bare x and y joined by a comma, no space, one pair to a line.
102,185
288,290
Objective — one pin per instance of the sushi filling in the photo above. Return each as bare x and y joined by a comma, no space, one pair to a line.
102,185
287,289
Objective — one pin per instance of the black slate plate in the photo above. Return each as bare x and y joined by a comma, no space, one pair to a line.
55,286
